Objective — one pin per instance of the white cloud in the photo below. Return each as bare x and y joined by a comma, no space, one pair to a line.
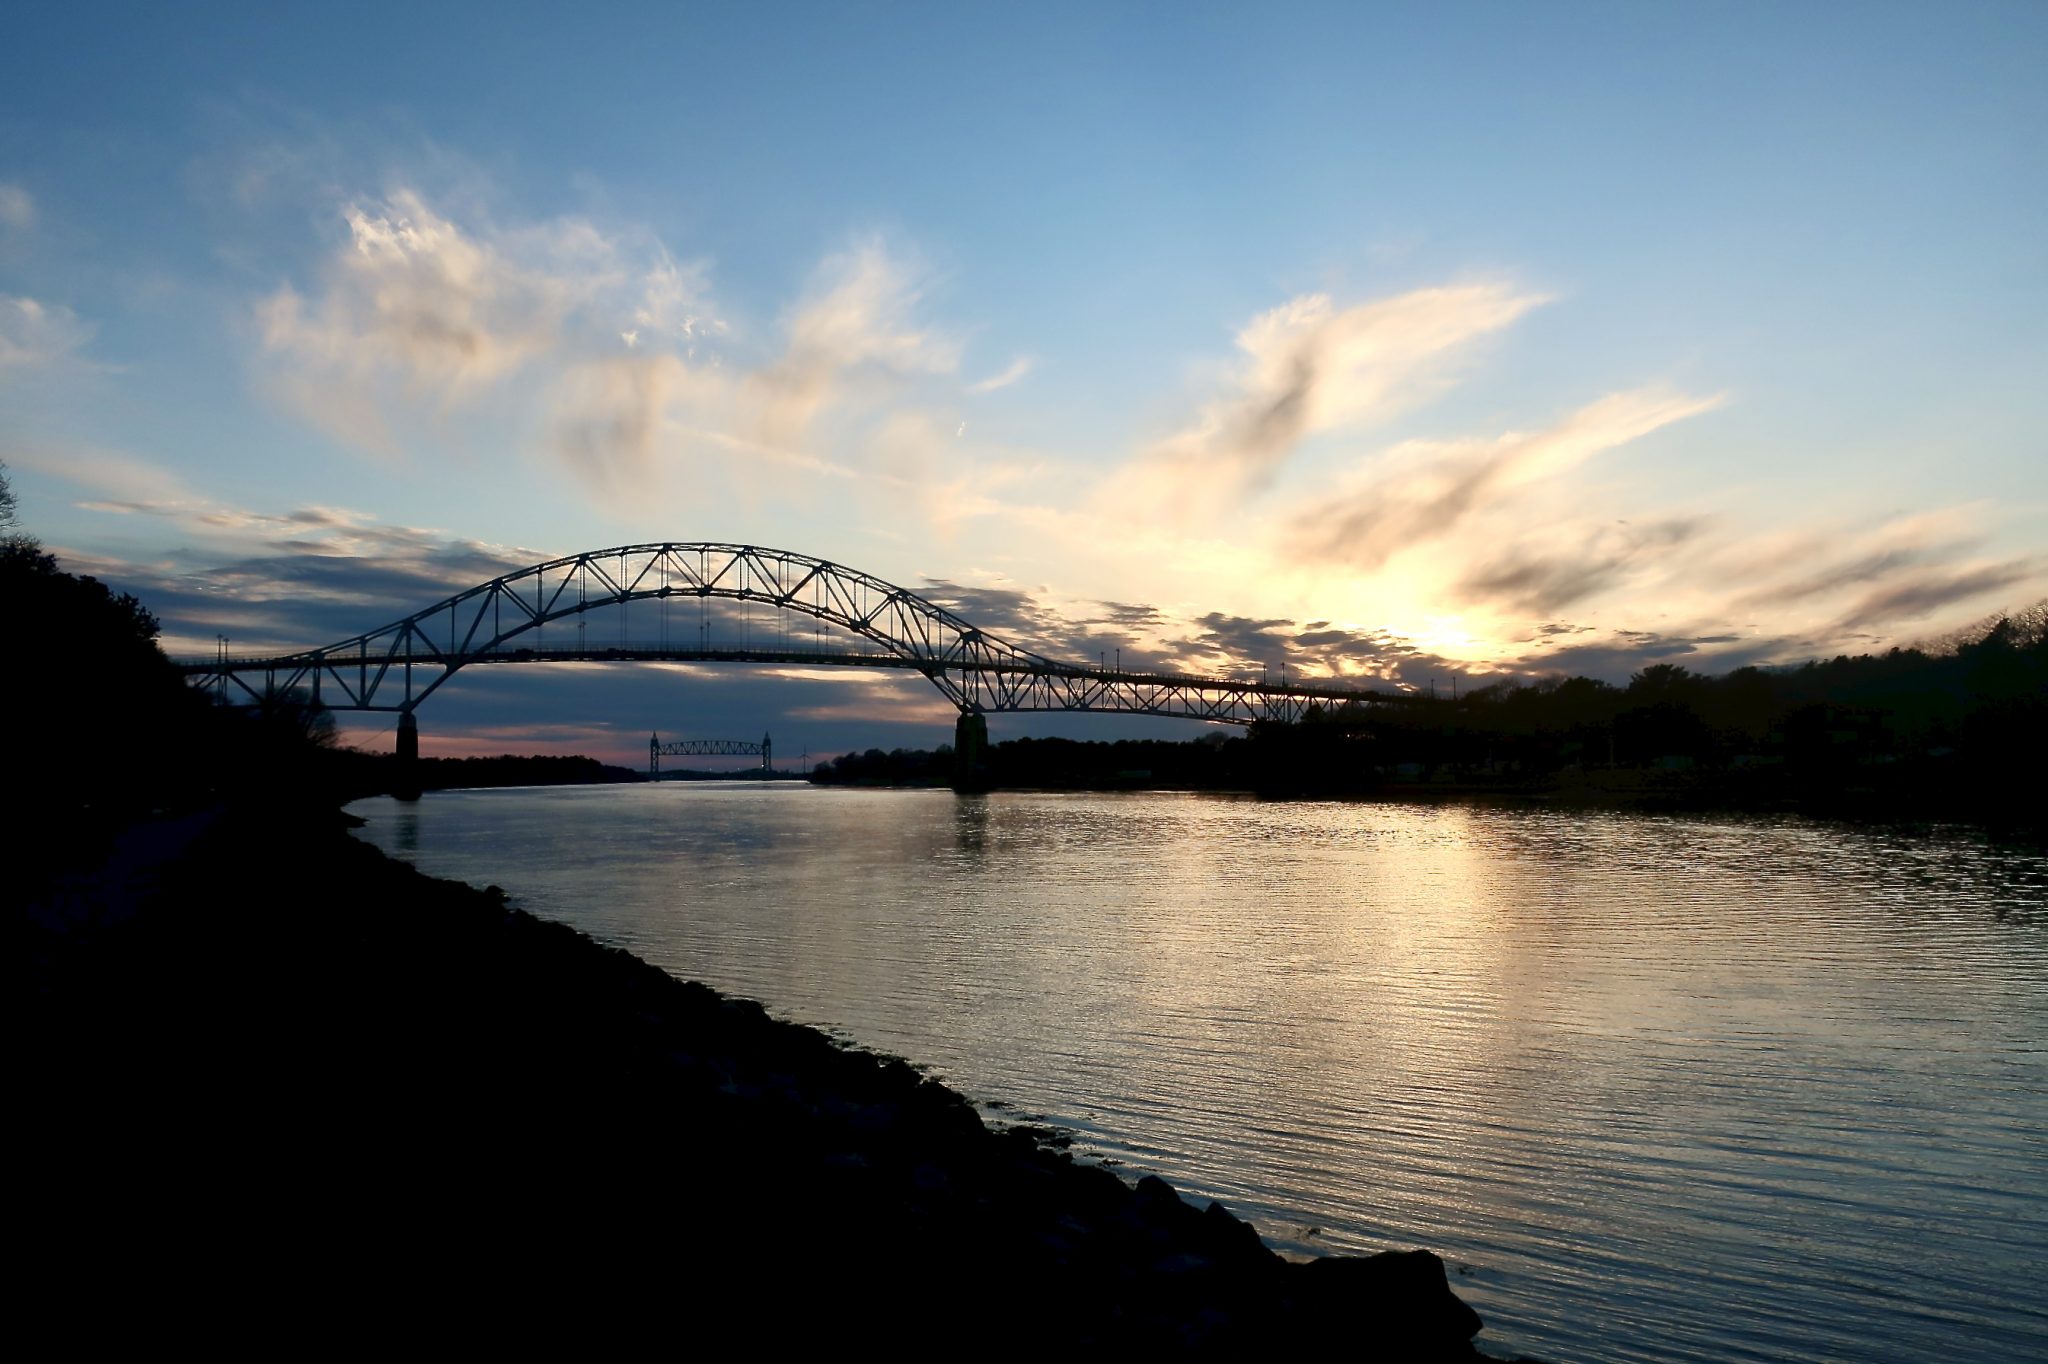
1017,369
413,307
1565,565
610,413
120,484
123,482
615,351
1422,490
1837,580
36,335
1939,589
1310,367
858,317
852,340
416,314
674,301
17,207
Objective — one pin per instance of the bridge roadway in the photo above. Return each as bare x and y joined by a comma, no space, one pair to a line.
397,666
251,679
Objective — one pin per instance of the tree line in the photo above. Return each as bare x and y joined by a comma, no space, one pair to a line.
1956,727
102,729
1974,706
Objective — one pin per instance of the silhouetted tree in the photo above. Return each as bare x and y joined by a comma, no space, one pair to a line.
100,726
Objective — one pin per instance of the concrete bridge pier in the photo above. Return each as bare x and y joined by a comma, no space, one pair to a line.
970,753
405,780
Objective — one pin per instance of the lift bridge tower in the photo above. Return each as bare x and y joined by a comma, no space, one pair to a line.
710,748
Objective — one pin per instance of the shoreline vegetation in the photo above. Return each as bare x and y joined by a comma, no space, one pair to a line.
2009,807
1957,730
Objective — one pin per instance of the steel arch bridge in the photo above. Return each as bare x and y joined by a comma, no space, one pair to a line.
398,666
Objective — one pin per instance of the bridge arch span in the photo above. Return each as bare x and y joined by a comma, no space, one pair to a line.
398,666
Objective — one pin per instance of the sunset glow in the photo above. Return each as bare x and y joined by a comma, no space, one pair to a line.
1309,347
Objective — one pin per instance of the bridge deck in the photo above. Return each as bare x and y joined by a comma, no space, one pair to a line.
836,658
398,666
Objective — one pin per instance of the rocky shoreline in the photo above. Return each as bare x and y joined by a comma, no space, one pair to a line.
282,1080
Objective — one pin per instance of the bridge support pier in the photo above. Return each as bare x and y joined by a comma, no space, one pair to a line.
405,781
970,753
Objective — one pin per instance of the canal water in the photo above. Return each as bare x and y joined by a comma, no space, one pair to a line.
1655,1088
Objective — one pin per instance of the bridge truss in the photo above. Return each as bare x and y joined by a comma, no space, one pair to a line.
397,666
707,748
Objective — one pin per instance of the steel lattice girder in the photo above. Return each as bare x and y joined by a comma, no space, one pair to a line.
707,748
975,670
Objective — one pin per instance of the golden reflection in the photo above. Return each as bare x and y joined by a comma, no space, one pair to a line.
1553,1045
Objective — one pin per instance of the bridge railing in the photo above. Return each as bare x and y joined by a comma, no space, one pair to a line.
420,653
1255,680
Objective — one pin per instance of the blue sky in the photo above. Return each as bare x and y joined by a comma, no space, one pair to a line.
1389,341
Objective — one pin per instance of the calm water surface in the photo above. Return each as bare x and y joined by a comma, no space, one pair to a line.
1655,1088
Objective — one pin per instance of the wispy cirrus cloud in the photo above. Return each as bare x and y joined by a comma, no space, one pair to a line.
1842,580
1927,592
1423,490
1837,574
675,305
286,578
858,317
1725,596
1307,367
1015,372
120,484
17,207
849,348
1542,581
601,345
416,311
612,414
38,336
118,481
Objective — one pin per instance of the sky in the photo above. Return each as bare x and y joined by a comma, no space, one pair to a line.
1398,343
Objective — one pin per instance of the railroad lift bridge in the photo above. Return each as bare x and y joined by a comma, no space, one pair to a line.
709,748
507,620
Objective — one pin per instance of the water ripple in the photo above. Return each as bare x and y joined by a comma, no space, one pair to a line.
1656,1088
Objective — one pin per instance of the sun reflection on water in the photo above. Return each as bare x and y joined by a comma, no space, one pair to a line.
1660,1088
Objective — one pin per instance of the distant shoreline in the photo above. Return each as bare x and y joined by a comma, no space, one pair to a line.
1621,792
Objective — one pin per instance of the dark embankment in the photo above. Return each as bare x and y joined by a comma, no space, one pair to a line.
278,1088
